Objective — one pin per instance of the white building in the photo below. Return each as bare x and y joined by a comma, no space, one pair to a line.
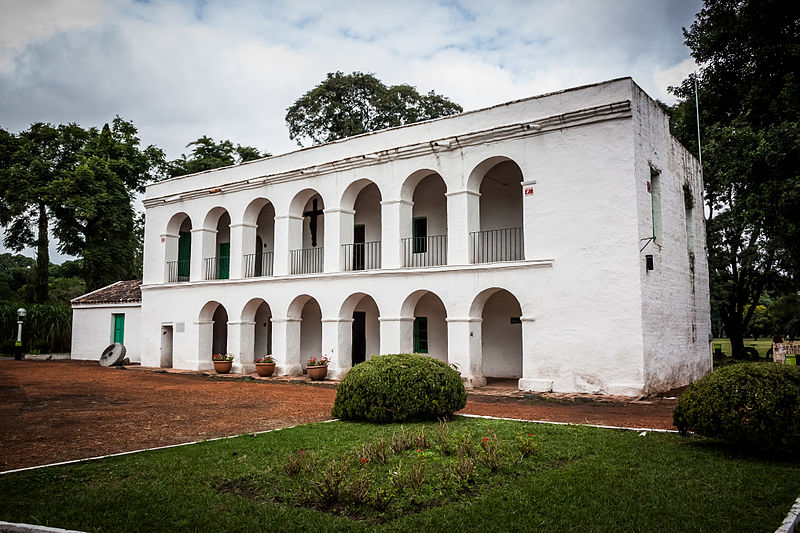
558,239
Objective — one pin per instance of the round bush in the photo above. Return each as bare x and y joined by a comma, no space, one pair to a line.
755,406
399,387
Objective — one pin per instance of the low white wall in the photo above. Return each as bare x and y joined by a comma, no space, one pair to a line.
93,330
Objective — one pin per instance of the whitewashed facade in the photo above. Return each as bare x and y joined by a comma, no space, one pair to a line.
512,241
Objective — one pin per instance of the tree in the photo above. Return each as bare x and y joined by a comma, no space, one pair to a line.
749,96
344,105
207,155
94,215
29,163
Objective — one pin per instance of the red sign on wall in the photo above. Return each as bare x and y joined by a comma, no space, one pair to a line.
528,191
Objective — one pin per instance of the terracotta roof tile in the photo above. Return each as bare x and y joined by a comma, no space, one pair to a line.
120,292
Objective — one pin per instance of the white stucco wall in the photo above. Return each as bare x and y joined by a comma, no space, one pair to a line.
93,330
581,288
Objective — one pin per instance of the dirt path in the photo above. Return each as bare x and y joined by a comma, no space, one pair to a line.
54,411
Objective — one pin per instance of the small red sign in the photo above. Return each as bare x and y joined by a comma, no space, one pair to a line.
163,239
528,191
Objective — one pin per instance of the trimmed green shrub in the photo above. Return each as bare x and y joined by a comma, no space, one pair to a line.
754,406
398,388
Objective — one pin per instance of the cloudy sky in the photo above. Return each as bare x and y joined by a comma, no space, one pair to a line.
229,69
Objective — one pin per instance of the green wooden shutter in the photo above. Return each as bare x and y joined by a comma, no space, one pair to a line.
421,334
184,255
224,260
119,328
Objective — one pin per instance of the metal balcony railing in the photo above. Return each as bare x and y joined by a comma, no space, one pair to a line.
362,255
306,260
256,265
216,268
493,245
177,271
424,251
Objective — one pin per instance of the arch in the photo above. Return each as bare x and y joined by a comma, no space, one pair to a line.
177,222
413,179
430,329
501,332
480,170
258,238
300,200
253,209
207,311
212,217
294,311
212,330
352,191
258,314
365,336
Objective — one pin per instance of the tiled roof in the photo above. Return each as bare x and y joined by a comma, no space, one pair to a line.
119,292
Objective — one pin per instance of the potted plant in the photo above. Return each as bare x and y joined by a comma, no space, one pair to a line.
265,366
317,368
222,362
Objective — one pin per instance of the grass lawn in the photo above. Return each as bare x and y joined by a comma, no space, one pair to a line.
578,479
761,345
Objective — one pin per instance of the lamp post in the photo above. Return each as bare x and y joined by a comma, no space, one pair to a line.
18,345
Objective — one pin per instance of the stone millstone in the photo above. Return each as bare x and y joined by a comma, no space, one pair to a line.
113,355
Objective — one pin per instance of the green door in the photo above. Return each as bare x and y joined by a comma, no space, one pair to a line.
119,328
224,260
184,255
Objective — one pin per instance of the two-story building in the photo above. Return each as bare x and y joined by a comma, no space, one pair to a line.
557,239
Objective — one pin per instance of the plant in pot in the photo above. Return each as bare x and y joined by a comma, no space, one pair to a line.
222,362
265,366
317,368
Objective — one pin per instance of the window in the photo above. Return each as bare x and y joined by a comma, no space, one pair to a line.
118,328
184,254
420,235
655,199
224,260
421,334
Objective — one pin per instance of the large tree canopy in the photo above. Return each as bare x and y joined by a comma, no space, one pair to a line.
749,95
344,105
207,155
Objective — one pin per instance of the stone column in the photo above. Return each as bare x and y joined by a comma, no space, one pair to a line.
204,244
397,334
464,349
243,241
205,341
240,344
286,346
463,216
169,244
528,218
395,226
337,345
532,379
288,232
338,231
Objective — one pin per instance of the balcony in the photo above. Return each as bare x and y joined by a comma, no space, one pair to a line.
257,265
494,245
216,268
362,256
306,260
177,271
424,251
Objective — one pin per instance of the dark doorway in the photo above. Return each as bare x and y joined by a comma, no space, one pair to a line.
359,337
358,249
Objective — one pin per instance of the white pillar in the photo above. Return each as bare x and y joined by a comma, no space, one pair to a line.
337,345
286,346
395,226
463,216
288,235
338,231
169,244
243,241
528,218
464,349
397,334
533,377
240,344
205,341
204,244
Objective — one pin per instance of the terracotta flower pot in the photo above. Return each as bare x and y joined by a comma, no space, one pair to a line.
265,370
223,367
317,373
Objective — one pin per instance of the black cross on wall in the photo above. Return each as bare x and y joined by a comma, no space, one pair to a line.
312,223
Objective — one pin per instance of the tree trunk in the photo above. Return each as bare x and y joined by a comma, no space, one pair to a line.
735,333
42,256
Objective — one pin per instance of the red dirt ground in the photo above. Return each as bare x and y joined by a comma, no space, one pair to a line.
53,411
